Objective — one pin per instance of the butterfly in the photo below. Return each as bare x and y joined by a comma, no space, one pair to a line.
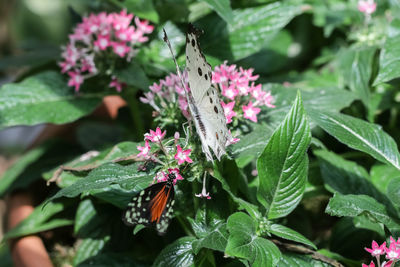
152,206
204,103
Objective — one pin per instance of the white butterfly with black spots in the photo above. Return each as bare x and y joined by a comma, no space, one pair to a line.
203,99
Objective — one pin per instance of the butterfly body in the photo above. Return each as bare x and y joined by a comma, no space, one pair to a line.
203,100
152,206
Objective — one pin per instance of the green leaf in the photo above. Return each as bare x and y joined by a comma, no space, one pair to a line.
355,66
298,260
290,234
250,30
393,190
389,61
41,219
346,177
382,174
223,8
5,255
178,253
133,75
12,173
354,205
43,98
89,247
213,236
144,9
359,135
283,165
85,213
363,222
107,174
244,243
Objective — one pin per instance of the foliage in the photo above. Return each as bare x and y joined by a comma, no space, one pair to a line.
319,166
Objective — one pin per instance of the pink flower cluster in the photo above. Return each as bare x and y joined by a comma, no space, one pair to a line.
392,253
242,95
98,34
367,6
179,154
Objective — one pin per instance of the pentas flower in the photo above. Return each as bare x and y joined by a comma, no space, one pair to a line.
182,156
144,150
367,6
105,35
116,84
377,250
250,112
155,136
392,252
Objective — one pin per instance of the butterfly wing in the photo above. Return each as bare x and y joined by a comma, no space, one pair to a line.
203,99
152,207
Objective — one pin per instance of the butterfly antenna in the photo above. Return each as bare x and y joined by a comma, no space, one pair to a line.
173,57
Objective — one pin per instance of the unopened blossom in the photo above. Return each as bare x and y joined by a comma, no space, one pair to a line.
377,250
250,112
182,156
155,136
204,193
144,150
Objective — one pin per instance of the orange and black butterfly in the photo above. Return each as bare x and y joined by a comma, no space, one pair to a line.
153,206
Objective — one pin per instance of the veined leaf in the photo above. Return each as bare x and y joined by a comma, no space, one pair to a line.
389,61
250,30
354,205
43,98
244,243
106,175
283,165
178,253
289,234
359,135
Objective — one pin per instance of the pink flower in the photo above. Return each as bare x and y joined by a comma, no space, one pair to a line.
372,264
230,92
120,48
125,34
122,20
376,250
65,66
228,110
243,87
143,25
87,63
232,139
155,88
102,42
268,99
155,136
177,174
257,92
76,79
203,194
386,264
250,112
392,252
367,7
117,84
248,74
144,150
182,155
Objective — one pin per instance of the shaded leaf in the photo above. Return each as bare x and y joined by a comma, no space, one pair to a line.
144,9
283,165
133,75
